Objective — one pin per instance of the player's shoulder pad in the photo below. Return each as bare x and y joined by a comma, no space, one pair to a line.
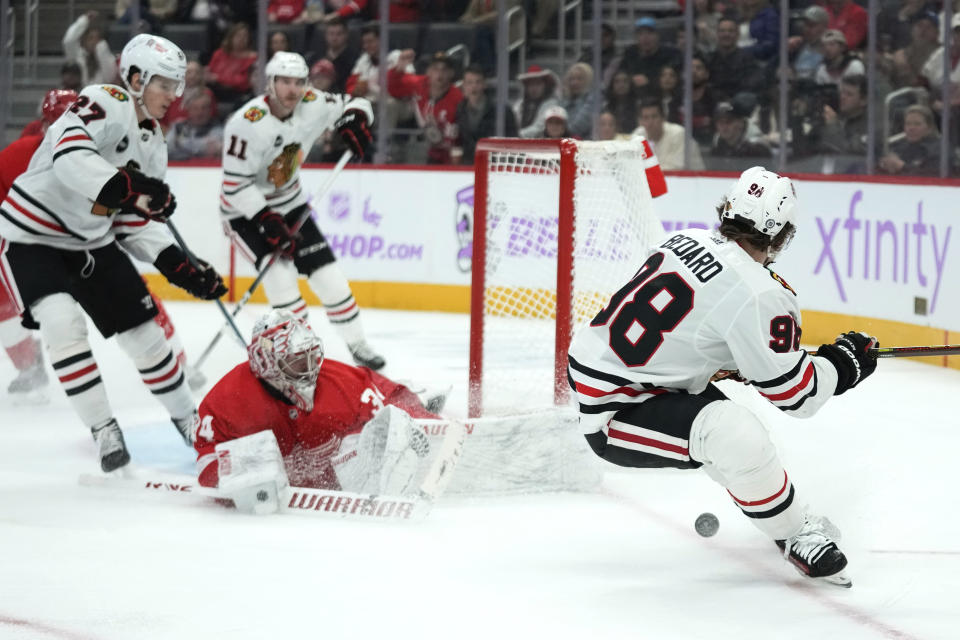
310,96
111,90
252,112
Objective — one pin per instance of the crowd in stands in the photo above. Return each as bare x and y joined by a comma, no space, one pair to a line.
441,107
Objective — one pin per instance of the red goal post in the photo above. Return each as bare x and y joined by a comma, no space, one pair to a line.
557,227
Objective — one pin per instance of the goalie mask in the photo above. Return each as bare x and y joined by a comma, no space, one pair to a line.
286,354
765,202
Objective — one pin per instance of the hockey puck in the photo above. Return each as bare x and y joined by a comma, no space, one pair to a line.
263,495
706,524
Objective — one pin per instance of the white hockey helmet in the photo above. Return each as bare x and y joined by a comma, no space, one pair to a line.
286,354
287,64
763,201
152,56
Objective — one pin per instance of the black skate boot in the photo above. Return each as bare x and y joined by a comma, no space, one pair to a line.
29,379
113,450
187,427
365,356
814,552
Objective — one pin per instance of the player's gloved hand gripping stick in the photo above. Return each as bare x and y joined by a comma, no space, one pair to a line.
273,258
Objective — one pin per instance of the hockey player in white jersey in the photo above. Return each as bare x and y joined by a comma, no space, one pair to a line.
703,306
95,185
261,196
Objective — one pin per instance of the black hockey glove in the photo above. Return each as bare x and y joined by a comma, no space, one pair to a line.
849,354
276,232
204,283
355,131
133,192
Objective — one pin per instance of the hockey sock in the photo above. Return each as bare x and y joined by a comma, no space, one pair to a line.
297,307
282,288
19,344
736,451
159,368
169,331
333,289
64,330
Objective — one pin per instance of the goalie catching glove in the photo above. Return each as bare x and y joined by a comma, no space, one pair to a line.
354,129
850,356
133,192
203,282
276,232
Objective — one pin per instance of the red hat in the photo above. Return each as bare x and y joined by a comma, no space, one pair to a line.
322,66
534,71
55,103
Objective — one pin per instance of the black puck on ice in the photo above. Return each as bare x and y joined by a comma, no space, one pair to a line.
262,497
706,524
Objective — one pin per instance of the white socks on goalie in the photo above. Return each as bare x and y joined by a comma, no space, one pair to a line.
736,452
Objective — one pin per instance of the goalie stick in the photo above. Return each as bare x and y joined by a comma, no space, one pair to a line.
909,352
326,503
341,163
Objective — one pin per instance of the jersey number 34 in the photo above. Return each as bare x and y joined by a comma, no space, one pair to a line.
658,305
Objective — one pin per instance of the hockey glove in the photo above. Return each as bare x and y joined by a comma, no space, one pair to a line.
276,232
354,129
133,192
204,283
849,354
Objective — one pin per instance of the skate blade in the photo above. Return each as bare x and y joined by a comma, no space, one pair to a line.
839,579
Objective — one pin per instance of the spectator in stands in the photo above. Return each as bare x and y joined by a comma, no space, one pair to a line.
155,12
609,56
286,12
933,68
850,18
732,139
703,101
71,76
764,29
906,64
477,116
917,153
622,102
895,22
837,61
542,15
644,59
807,49
364,80
230,68
578,99
670,92
338,52
845,131
555,124
199,136
732,69
706,19
607,127
666,138
278,41
539,94
482,15
400,10
193,83
435,101
322,75
83,44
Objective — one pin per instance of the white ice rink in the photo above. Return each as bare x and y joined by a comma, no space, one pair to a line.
86,563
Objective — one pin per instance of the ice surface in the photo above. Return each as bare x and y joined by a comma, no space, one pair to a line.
85,563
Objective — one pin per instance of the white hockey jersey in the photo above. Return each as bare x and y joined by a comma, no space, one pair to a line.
262,154
53,203
698,305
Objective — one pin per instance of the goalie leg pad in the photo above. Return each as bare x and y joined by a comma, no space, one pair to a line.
64,331
280,285
736,452
158,366
252,473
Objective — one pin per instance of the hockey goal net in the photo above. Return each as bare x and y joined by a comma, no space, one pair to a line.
559,225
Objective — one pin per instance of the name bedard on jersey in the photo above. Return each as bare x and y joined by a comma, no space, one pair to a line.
696,288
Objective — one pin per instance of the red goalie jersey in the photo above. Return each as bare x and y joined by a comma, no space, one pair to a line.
346,397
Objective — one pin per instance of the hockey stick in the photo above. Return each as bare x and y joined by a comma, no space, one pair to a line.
193,260
273,257
909,352
323,502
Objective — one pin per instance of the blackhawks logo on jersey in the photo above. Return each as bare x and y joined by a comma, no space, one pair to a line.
254,113
116,93
309,96
284,165
783,282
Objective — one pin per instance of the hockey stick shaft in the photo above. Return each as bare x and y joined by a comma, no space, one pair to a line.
193,260
341,163
910,352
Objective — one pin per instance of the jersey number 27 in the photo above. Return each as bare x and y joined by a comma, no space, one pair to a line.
659,303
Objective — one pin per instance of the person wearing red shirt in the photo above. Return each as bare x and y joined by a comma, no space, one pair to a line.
435,101
400,10
850,18
228,73
316,408
193,82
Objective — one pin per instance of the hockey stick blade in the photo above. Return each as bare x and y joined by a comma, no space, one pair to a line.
911,352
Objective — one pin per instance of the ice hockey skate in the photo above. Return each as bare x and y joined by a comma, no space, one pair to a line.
364,355
814,552
187,427
31,379
113,450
